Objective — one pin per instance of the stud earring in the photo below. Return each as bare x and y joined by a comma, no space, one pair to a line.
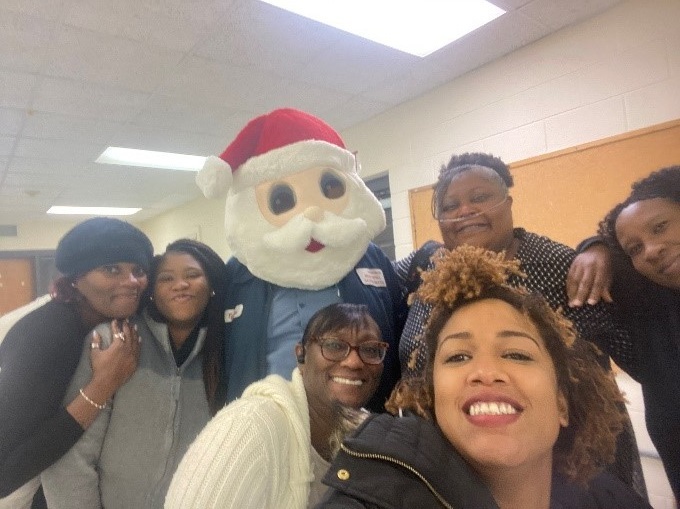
212,294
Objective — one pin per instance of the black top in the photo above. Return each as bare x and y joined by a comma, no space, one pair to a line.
37,359
656,366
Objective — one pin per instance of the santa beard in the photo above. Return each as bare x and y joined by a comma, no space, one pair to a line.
278,254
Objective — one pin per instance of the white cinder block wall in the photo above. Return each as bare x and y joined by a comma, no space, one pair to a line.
617,72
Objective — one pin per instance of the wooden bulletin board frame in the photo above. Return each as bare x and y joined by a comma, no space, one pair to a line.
564,194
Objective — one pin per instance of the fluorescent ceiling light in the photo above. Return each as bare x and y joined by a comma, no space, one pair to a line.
93,211
418,27
150,159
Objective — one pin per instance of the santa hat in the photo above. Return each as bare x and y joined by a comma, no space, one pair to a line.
282,142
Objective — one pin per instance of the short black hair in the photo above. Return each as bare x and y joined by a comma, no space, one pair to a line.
629,284
337,317
460,163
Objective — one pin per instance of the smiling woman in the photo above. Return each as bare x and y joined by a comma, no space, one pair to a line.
643,233
129,454
104,264
269,448
512,411
472,204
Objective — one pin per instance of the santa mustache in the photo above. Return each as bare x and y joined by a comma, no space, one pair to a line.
331,231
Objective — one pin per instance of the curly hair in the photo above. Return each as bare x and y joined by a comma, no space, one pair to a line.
468,274
460,163
213,316
664,183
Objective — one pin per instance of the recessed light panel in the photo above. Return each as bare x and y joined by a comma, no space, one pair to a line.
93,211
418,27
150,159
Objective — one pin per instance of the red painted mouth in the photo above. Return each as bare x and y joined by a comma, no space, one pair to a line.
314,246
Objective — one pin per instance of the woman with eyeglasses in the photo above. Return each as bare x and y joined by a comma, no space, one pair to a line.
473,206
271,447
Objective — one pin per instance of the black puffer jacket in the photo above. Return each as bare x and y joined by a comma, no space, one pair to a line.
406,462
395,462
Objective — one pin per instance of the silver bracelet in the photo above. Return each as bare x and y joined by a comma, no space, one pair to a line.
96,405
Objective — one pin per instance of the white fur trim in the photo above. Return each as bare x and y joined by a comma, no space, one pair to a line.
291,159
215,177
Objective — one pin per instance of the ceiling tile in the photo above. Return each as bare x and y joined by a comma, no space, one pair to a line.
172,24
262,36
354,65
7,145
168,140
11,120
81,99
16,89
182,113
24,41
560,14
45,9
58,149
61,127
90,56
208,82
35,166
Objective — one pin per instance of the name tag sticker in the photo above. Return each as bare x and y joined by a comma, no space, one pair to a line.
231,314
372,277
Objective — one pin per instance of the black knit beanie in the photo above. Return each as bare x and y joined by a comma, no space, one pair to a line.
102,241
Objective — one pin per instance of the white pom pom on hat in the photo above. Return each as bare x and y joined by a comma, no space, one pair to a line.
281,142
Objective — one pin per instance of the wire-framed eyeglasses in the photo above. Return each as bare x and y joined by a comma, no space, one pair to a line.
336,350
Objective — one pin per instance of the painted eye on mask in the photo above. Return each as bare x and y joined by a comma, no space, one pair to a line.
332,186
281,199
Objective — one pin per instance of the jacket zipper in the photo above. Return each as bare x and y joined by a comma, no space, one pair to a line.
408,467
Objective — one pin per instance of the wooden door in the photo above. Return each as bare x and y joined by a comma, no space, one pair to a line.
16,283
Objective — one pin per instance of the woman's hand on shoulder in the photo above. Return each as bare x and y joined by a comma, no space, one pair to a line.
590,276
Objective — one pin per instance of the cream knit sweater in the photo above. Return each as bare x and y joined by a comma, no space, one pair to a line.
255,453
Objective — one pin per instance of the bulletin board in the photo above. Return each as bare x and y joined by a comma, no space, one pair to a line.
565,194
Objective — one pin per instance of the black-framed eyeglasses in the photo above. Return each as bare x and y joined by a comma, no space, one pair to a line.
370,352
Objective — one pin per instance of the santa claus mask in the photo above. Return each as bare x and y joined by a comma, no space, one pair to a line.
297,213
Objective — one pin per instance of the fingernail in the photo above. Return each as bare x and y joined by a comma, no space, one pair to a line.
592,302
